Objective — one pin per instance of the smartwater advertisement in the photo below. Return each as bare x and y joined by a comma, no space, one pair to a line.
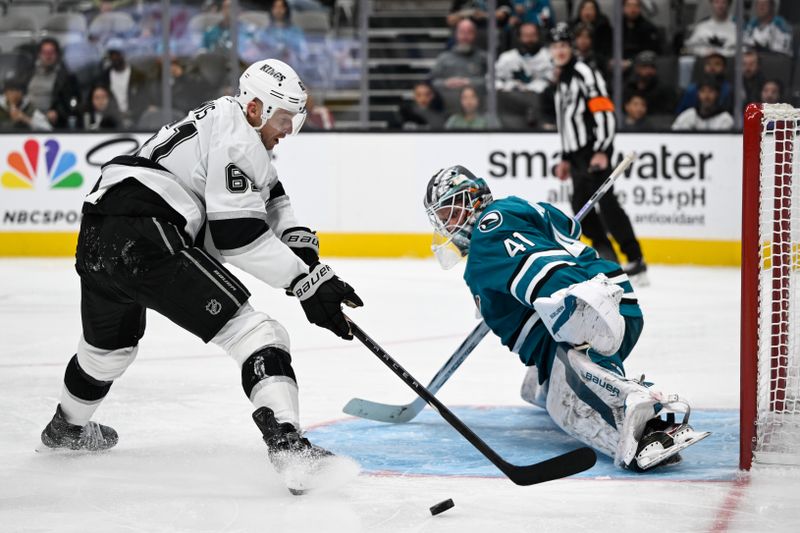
680,186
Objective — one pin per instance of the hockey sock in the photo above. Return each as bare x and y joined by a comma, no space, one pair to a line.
268,379
82,394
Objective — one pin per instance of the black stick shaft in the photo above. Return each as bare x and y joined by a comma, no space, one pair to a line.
564,465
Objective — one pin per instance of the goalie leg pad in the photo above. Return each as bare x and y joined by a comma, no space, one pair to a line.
588,401
586,312
532,391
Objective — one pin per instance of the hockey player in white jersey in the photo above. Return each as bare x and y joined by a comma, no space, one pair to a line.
155,231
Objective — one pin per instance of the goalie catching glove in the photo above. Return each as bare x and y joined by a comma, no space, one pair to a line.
303,242
586,312
322,293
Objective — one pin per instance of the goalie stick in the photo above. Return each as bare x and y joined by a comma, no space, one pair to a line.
563,465
400,414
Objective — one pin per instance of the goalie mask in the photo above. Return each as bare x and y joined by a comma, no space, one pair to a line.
278,87
454,199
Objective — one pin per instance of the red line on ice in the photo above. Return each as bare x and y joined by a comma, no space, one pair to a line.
730,505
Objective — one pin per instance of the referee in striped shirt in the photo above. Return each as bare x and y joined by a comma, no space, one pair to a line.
586,124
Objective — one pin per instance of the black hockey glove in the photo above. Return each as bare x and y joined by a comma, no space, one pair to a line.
322,293
303,242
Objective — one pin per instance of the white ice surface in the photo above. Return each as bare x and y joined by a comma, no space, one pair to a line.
190,458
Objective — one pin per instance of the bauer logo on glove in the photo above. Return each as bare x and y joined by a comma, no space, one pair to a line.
322,293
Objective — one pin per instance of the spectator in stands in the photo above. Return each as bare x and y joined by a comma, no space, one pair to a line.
188,89
318,117
716,33
52,88
218,36
528,67
644,81
101,110
638,33
583,43
470,117
463,65
752,77
707,115
636,118
714,66
129,85
538,12
18,112
475,10
424,112
772,92
589,14
282,39
767,31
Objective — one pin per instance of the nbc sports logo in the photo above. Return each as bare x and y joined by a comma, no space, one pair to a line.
24,166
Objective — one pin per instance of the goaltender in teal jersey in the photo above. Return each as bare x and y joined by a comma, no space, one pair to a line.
572,317
521,251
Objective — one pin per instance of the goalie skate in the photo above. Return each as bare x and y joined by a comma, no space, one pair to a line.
663,440
301,465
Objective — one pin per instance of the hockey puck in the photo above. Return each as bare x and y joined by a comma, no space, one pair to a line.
442,507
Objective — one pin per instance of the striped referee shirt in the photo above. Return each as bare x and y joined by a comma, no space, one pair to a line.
584,112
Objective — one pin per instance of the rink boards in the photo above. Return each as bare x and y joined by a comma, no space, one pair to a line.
363,191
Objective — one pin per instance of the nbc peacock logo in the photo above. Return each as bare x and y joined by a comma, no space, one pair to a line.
25,165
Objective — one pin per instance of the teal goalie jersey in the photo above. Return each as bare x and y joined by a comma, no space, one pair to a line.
520,251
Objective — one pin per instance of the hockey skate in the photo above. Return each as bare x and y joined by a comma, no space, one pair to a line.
92,437
637,273
662,439
302,466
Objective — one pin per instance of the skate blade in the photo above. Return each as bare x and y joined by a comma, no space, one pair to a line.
655,460
323,475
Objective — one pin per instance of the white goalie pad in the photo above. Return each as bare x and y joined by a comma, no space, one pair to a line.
600,408
585,313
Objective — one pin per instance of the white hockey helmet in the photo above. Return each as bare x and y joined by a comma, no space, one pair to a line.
277,86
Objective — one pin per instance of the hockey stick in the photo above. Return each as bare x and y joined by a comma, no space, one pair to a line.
564,465
399,414
599,193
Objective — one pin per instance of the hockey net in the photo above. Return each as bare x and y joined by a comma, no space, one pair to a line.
770,339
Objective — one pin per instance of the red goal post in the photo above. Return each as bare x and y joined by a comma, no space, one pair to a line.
770,285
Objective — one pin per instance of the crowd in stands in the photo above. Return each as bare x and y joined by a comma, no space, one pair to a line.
653,95
100,68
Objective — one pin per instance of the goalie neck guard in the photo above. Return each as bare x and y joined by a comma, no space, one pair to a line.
277,86
454,199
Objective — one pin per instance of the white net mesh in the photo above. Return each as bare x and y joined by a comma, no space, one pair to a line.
778,393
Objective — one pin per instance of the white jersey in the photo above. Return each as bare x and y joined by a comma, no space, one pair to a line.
514,70
211,167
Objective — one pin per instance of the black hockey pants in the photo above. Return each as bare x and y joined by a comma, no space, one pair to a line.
127,264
